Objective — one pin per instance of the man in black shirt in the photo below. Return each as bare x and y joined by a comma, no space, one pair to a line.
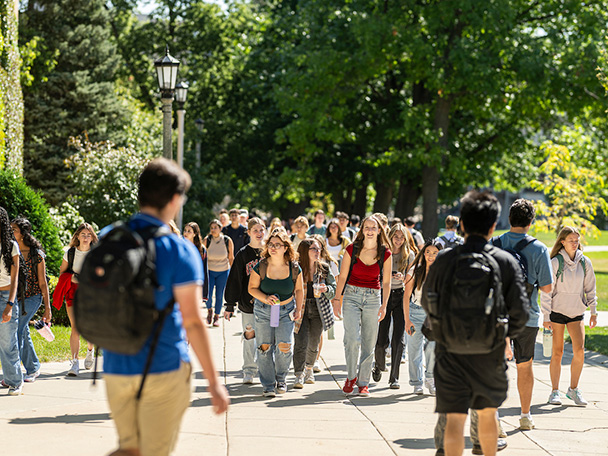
236,231
475,381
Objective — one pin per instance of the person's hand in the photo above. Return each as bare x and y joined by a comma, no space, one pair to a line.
271,300
7,314
227,315
398,276
381,313
220,398
547,325
46,317
508,351
408,327
593,321
297,314
323,288
337,305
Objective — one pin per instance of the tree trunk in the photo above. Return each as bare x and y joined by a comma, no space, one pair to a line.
384,195
430,173
360,204
409,192
293,210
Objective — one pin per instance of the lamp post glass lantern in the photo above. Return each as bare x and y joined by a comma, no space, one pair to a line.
181,92
166,72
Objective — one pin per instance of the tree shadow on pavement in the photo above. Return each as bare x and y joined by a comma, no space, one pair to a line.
67,419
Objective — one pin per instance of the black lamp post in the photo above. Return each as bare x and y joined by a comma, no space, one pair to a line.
166,72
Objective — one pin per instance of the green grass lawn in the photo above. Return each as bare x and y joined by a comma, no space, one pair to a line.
549,238
596,339
59,349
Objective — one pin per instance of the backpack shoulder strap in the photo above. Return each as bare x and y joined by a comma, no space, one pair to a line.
381,263
525,242
206,240
353,260
496,242
560,267
226,243
263,265
71,255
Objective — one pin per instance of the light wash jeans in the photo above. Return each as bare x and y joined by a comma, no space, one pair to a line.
9,345
26,347
273,364
249,364
416,345
360,308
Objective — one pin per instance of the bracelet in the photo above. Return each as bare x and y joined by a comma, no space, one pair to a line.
10,303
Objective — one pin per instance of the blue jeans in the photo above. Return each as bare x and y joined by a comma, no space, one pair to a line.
416,345
217,280
9,346
360,311
273,364
249,364
26,347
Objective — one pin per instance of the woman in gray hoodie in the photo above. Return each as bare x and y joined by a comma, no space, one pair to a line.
573,291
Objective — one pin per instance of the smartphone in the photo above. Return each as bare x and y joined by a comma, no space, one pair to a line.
412,330
292,313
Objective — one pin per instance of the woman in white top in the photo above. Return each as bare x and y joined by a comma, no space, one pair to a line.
220,255
336,241
82,240
564,307
9,344
417,344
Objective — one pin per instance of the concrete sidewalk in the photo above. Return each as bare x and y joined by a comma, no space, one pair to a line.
66,416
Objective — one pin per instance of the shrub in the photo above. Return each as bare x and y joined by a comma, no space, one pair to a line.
20,200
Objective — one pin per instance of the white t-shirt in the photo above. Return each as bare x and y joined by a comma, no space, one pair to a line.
78,259
334,251
5,277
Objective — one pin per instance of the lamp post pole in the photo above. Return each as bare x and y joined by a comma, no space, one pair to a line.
166,73
199,126
181,91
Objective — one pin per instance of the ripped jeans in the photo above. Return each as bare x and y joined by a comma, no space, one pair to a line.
273,363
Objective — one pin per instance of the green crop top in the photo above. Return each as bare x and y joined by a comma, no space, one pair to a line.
284,288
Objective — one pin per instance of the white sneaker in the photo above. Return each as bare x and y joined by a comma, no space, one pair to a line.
576,395
30,378
554,398
430,385
309,376
74,368
247,379
15,390
418,389
316,368
89,360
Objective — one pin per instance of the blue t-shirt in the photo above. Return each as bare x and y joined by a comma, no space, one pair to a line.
539,270
178,263
314,230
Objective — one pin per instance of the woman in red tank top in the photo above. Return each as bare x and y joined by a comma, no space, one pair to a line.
362,298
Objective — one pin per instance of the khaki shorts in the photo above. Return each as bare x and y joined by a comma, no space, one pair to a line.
152,423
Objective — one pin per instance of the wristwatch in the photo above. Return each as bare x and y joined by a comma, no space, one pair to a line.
10,303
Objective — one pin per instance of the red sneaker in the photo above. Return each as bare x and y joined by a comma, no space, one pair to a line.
349,385
363,391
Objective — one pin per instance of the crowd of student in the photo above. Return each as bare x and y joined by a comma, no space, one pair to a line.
291,282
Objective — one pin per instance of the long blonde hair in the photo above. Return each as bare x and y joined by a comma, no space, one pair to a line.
407,247
563,234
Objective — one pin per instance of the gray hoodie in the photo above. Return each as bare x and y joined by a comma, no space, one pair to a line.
573,291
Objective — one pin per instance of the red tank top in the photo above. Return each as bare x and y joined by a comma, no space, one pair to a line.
365,276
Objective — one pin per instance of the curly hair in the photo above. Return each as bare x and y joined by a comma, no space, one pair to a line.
25,227
290,253
6,240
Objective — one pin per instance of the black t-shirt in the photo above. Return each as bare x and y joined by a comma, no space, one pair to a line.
238,235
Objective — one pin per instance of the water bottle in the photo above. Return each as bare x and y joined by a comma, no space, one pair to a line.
44,330
547,342
275,315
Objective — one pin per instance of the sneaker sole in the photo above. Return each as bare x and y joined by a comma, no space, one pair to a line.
576,403
298,386
72,374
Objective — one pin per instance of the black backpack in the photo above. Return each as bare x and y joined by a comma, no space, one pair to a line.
521,259
226,241
453,242
468,316
114,306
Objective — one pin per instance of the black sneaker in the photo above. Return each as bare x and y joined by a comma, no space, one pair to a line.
376,374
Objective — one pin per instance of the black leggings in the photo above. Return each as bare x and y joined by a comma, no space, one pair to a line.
394,310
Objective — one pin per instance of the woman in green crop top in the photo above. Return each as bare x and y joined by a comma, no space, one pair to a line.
276,281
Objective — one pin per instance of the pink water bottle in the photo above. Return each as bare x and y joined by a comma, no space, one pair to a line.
44,329
275,313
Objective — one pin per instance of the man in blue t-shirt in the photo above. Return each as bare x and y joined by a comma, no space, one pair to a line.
521,216
150,425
